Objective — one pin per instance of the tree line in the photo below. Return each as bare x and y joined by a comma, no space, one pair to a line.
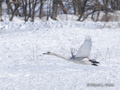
29,9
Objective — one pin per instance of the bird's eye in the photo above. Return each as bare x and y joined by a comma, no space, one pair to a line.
48,52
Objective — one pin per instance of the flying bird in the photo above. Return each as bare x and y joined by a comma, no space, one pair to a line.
82,56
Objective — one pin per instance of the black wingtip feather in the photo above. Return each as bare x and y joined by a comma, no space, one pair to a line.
94,64
93,61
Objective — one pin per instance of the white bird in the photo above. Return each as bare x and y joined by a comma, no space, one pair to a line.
82,56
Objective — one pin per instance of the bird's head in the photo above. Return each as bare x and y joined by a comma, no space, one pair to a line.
47,53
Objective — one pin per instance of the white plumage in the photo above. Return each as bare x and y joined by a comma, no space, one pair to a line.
82,56
84,50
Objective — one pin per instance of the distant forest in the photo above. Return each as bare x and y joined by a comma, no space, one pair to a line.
29,9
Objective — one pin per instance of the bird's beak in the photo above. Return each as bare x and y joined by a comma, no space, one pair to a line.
44,53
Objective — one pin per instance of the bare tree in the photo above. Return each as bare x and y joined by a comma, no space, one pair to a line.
51,8
16,4
54,13
9,7
83,10
24,9
55,6
33,10
77,6
41,8
1,10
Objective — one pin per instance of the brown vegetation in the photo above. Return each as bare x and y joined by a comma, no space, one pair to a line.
52,8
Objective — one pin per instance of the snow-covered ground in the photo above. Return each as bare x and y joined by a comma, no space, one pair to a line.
24,67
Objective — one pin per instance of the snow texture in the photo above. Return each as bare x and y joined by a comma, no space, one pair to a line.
24,67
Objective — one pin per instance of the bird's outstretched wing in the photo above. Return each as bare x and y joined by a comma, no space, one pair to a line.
84,50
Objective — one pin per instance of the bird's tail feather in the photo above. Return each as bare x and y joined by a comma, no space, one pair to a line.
94,64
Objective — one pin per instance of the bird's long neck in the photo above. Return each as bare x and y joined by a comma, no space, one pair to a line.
59,56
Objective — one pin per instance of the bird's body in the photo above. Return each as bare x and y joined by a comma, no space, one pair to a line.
82,56
81,60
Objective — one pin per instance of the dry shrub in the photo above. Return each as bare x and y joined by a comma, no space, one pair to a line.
113,17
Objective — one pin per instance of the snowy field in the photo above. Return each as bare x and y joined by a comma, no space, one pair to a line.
24,67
